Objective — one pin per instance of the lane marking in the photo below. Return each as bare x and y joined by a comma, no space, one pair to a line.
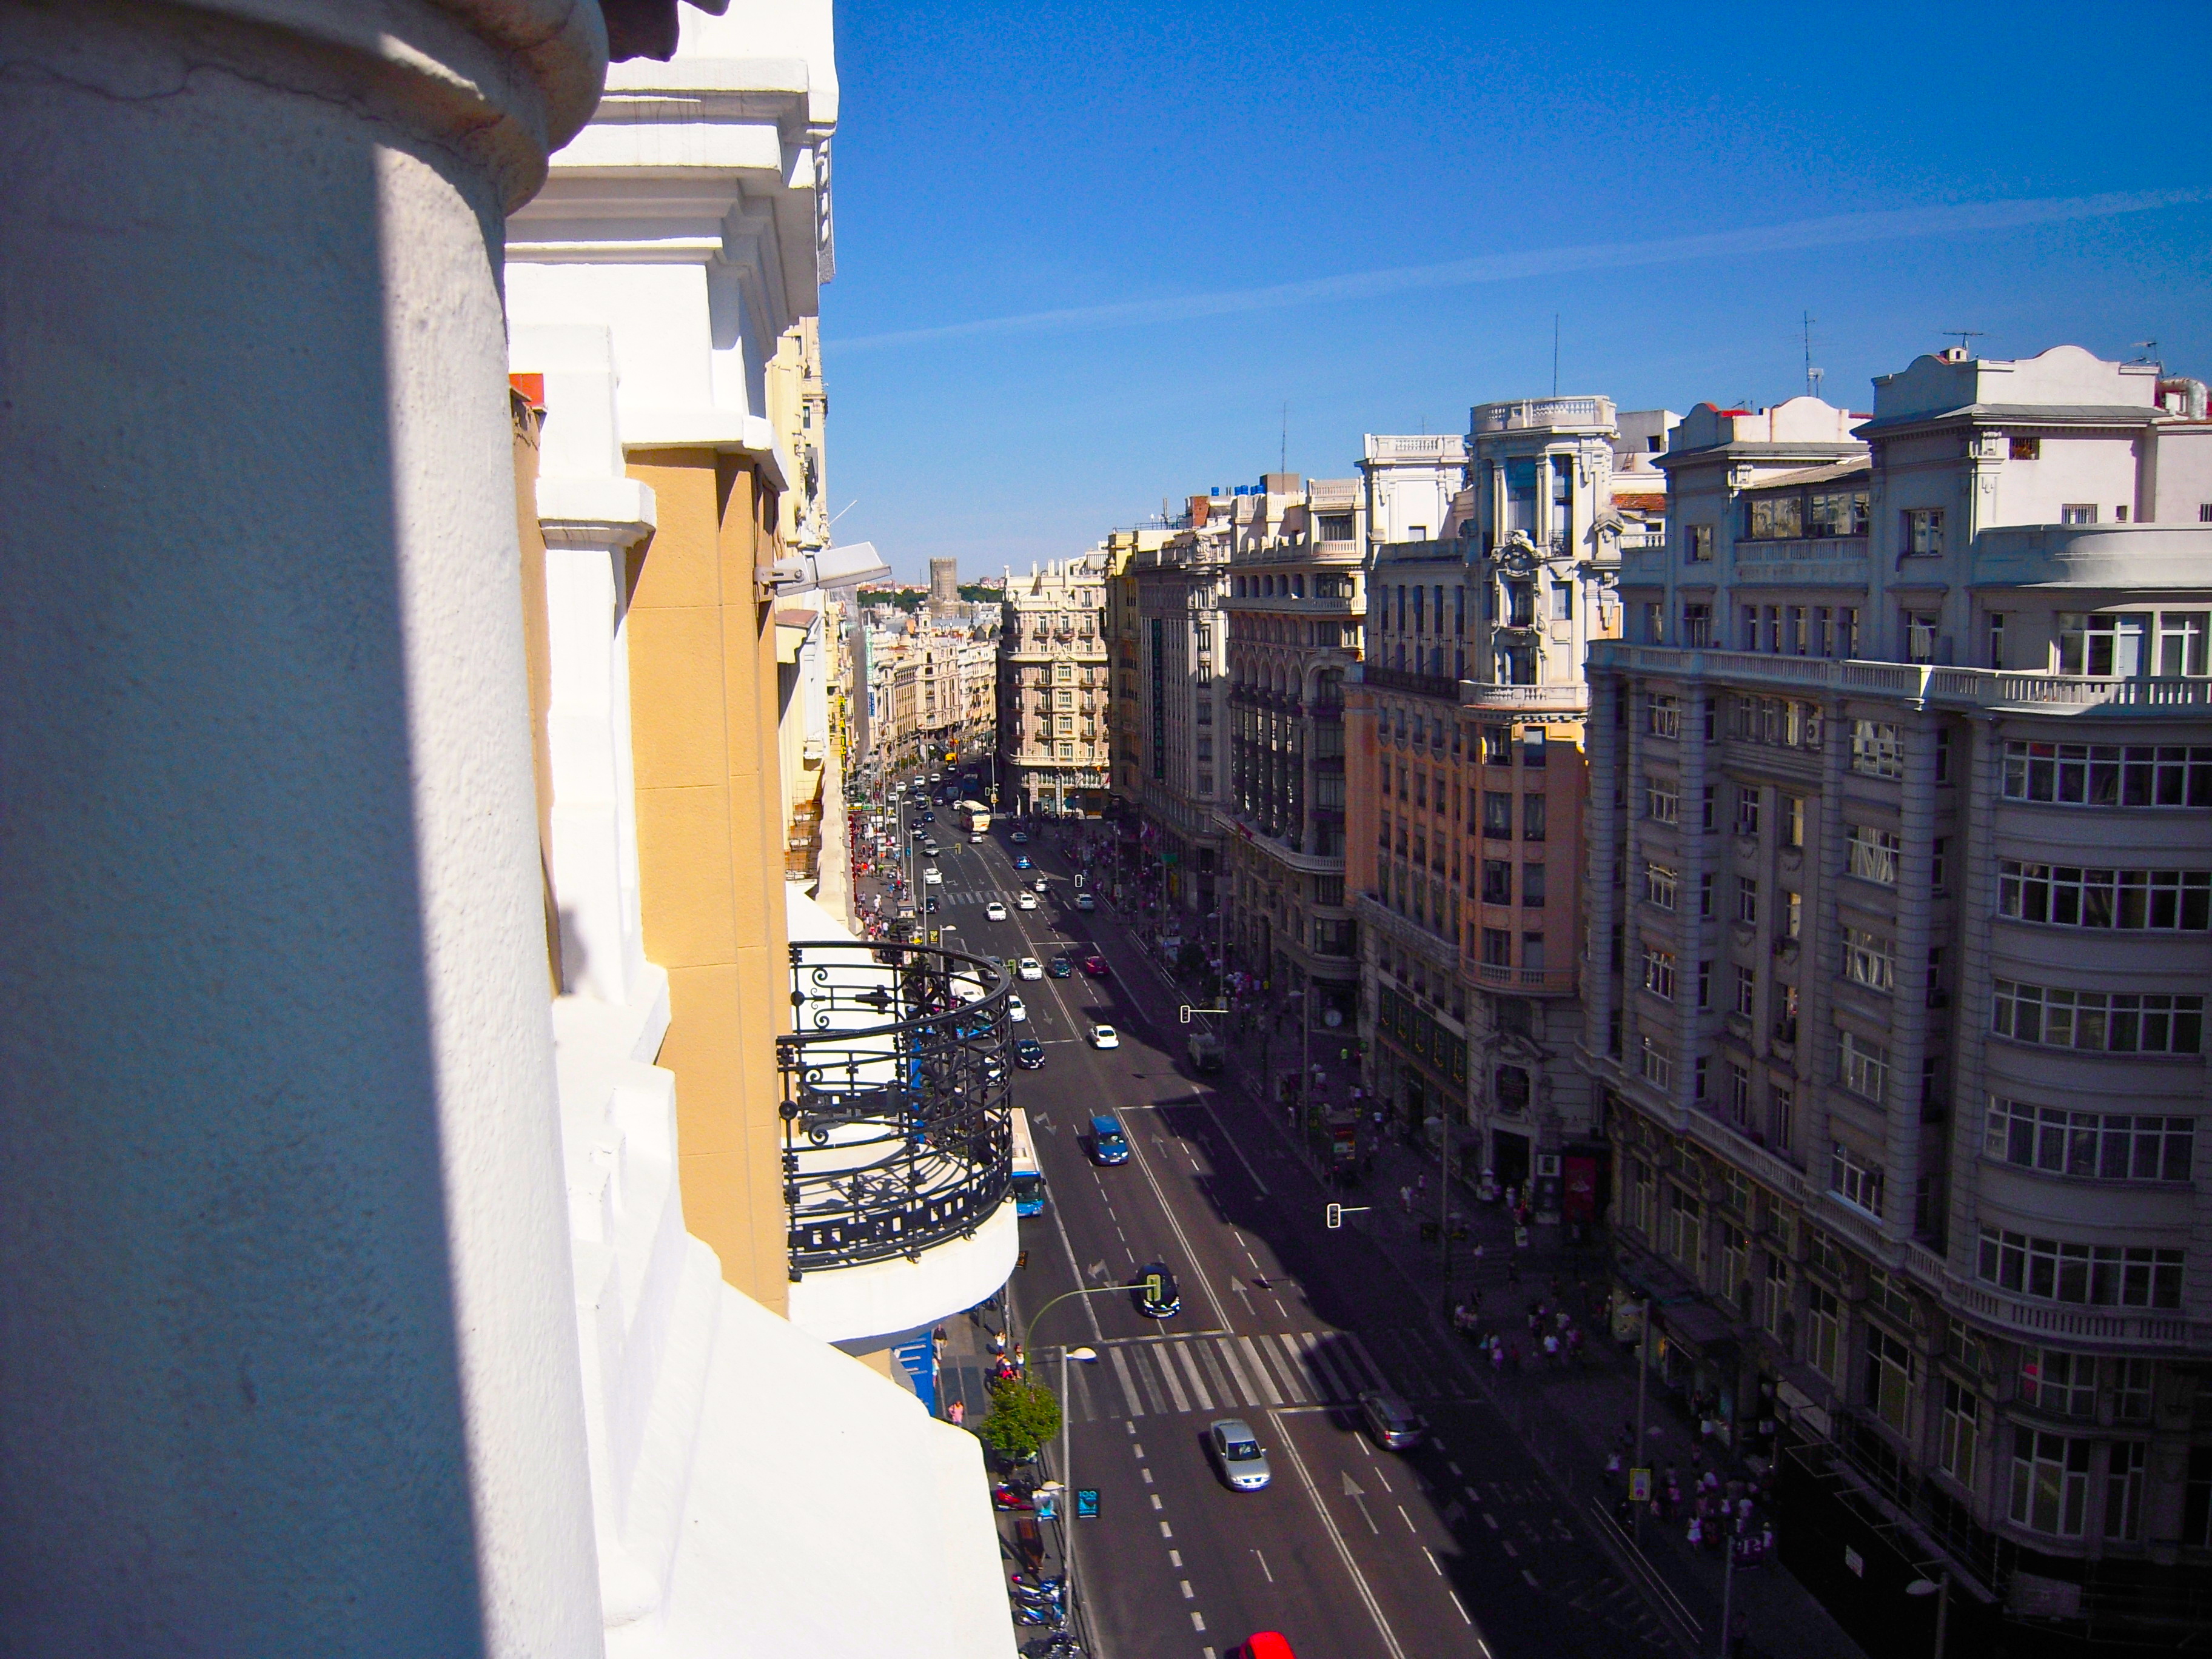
1336,1537
1264,1384
1128,1388
1432,1555
1175,1559
1408,1520
1189,1594
1174,1225
1168,1370
1531,1577
1166,1531
1182,1351
1198,1623
1478,1642
1156,1504
1263,1566
1210,1361
1147,1474
1281,1351
1509,1550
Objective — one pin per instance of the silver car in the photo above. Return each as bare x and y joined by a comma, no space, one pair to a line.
1395,1425
1236,1449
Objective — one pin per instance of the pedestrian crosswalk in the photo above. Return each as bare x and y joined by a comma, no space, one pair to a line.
1154,1377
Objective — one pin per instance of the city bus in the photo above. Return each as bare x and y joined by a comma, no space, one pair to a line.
975,817
1028,1179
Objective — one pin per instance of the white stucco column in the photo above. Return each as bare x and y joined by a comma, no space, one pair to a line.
288,1358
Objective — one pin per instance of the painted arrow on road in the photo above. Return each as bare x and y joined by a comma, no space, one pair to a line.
1352,1490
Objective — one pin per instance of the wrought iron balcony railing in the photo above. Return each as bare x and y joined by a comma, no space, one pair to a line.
896,1112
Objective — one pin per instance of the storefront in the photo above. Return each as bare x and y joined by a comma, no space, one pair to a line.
1423,1063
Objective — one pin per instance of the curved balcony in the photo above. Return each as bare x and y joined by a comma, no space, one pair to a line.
896,1134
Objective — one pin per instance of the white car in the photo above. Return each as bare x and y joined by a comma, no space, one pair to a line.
1105,1036
1015,1010
933,877
1031,968
994,911
975,839
1025,900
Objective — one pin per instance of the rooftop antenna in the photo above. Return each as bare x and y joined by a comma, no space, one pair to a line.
1555,354
2149,350
1813,379
1283,455
1812,375
1961,335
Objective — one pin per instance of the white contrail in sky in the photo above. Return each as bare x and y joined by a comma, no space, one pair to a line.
1957,218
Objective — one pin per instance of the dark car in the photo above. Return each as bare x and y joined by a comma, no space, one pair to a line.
1059,967
928,817
1095,965
929,905
1395,1425
1108,1144
1156,1292
1028,1055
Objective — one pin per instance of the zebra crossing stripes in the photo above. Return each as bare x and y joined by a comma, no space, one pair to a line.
1172,1377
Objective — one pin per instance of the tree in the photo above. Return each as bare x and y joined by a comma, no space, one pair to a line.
1023,1416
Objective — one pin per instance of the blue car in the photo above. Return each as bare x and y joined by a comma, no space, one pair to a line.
1108,1144
1022,861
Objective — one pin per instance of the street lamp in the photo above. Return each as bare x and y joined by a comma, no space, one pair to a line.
1940,1587
1086,1356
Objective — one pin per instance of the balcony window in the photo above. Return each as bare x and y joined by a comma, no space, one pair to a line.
2050,1482
2090,1145
2058,1384
1658,1067
1496,815
1824,1345
1890,1367
1841,513
1496,947
2098,1276
2079,512
1959,1438
1923,532
1746,900
1856,1178
1782,1120
1776,517
1877,749
1533,814
1864,1067
1659,974
1870,960
1532,886
1659,886
1662,716
1496,881
2118,1022
1697,545
1662,802
1697,626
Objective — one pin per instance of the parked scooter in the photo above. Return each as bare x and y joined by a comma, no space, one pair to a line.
1004,1495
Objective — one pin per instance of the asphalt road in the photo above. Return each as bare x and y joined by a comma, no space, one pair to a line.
1459,1547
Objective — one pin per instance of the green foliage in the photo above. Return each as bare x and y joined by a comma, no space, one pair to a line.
1024,1417
906,598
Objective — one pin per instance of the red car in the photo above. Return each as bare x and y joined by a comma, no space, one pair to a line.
1095,965
1264,1644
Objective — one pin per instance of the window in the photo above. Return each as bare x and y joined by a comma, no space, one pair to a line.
2057,1383
1563,601
1776,518
2109,774
2117,1022
1840,512
1746,810
1889,1372
1793,819
2097,1276
2070,895
1706,811
1919,630
1654,629
1877,749
1697,544
1705,895
1659,973
1869,959
1659,887
2050,1482
1496,815
1856,1178
1532,817
1747,899
1497,746
2131,1391
1686,1240
1739,1096
2091,1145
1532,885
1865,1066
2027,449
1782,1119
1873,854
1697,626
1747,991
1658,1068
1923,532
2125,1463
1532,952
1498,881
1705,985
1824,1332
2182,637
2078,513
1535,747
1959,1439
1775,1301
1663,717
1496,947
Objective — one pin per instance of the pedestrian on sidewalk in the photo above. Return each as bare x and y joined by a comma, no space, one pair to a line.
956,1413
1406,1199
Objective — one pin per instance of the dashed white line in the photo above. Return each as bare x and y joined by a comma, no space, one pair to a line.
1336,1538
1166,1531
1432,1555
1189,1594
1488,1520
1478,1642
1531,1577
1175,1558
1408,1520
1147,1474
1509,1550
1263,1566
1156,1504
1198,1623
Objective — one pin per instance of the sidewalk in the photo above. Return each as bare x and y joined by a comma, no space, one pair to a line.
1572,1416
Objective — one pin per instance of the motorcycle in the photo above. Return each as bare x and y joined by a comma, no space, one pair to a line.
1004,1495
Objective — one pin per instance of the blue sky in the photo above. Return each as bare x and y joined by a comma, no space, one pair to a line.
1087,253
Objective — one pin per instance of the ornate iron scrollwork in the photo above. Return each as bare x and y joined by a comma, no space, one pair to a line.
896,1116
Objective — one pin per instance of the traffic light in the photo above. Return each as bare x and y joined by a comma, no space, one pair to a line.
1336,1216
